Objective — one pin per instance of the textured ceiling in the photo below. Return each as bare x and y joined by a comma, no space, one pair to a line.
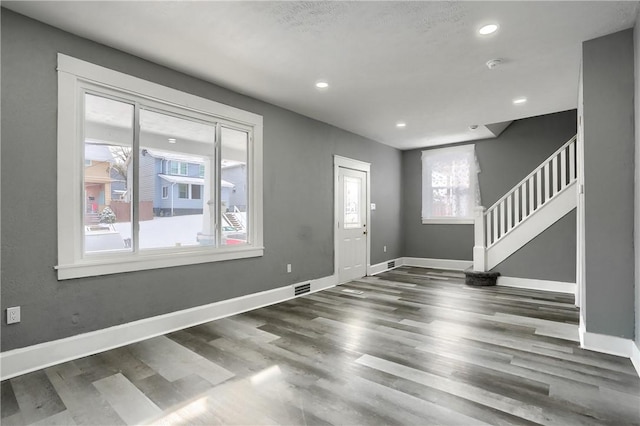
418,62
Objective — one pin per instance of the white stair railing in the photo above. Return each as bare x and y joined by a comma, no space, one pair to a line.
534,191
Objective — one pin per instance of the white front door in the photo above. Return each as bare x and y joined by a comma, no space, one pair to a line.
352,224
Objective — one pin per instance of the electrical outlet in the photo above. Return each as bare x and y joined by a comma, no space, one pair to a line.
288,268
13,315
384,249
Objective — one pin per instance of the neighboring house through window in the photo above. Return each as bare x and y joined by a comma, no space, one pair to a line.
156,138
449,185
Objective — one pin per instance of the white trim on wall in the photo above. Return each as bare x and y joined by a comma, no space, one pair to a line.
24,360
606,344
635,356
557,286
424,262
610,345
381,267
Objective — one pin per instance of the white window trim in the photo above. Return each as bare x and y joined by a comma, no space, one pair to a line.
72,74
474,183
163,190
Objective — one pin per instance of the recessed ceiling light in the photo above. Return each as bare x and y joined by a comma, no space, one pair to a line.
401,124
172,140
488,29
322,85
473,127
519,101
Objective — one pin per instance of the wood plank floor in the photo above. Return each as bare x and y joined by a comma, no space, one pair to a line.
409,346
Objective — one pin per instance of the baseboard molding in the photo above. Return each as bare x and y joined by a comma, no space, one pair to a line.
383,266
606,344
610,345
635,356
24,360
423,262
531,284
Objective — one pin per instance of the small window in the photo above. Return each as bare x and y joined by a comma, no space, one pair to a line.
449,185
165,192
183,191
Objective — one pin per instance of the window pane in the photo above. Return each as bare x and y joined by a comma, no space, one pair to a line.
108,138
233,186
183,147
449,183
196,192
352,188
183,191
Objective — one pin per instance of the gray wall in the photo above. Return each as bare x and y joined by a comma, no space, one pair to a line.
549,256
504,161
298,200
608,88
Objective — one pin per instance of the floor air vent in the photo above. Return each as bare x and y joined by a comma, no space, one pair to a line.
301,289
391,264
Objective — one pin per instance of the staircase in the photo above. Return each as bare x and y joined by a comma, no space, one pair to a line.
542,198
91,218
233,220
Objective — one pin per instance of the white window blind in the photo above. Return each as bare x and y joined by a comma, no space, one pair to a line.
450,189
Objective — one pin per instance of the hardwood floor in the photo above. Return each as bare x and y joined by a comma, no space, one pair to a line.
409,346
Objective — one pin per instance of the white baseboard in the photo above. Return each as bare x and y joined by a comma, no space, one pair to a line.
383,266
423,262
606,344
24,360
610,345
635,356
531,284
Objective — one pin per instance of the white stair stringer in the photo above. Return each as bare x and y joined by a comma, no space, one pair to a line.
545,216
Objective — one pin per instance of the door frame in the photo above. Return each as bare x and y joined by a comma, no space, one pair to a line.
349,163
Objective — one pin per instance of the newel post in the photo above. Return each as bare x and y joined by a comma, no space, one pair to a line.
479,249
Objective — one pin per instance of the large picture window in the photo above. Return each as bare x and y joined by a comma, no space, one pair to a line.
449,185
147,175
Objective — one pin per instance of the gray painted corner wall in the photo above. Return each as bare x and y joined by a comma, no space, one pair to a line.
298,199
504,161
608,87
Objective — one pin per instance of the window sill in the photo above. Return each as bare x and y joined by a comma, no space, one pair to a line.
448,221
146,261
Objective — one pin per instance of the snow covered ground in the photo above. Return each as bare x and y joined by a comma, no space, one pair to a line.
161,232
165,231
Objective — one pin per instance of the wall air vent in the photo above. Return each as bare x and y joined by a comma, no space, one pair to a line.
391,264
301,289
